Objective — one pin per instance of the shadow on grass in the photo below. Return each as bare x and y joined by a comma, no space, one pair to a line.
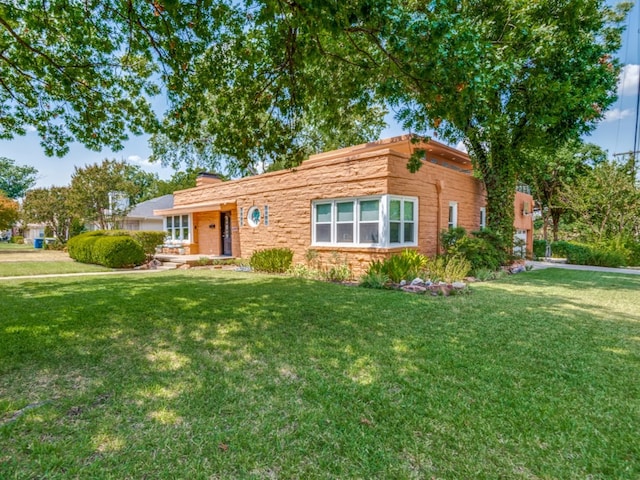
257,376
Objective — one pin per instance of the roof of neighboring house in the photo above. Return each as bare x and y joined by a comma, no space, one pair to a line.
144,210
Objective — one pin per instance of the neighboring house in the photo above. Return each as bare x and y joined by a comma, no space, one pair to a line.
141,217
32,231
360,202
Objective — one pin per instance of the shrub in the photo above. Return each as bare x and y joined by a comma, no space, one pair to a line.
84,248
272,260
303,271
17,239
539,248
450,237
447,268
80,247
149,239
404,266
338,273
118,251
373,279
590,254
483,249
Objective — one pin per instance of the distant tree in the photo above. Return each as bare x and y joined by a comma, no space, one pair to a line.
9,212
14,179
53,207
102,193
548,175
179,181
606,203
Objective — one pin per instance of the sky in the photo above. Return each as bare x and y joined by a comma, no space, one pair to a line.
615,133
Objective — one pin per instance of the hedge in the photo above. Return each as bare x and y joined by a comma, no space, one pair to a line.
128,249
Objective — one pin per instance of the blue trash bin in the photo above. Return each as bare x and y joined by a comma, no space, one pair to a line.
37,242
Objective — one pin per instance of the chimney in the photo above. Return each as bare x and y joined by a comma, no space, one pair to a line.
205,178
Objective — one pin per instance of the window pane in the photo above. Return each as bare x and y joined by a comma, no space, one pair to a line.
345,232
345,212
408,211
169,222
408,233
323,212
394,210
369,232
185,220
323,232
185,233
369,210
394,232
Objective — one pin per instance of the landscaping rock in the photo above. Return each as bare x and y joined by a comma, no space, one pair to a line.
413,289
417,281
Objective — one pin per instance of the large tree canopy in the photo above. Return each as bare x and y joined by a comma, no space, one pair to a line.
269,80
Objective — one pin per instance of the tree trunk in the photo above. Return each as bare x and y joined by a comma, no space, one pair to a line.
500,183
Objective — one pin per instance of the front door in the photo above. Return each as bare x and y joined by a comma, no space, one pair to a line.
225,220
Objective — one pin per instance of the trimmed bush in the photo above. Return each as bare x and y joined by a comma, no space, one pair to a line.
80,247
17,239
539,248
118,252
590,254
149,239
272,260
97,247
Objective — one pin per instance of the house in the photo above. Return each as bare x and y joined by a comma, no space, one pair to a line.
141,217
361,202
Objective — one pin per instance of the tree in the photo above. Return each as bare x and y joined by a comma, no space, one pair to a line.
8,212
606,203
269,81
102,193
521,75
51,206
179,181
14,179
503,77
86,71
547,178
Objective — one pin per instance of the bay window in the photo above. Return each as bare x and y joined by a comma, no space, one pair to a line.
366,222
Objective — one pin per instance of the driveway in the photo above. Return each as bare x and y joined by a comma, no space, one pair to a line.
539,265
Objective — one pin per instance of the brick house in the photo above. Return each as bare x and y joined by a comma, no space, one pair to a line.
360,202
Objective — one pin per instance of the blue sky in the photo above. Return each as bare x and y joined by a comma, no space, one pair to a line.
615,133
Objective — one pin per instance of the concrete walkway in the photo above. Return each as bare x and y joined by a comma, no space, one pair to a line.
81,274
566,266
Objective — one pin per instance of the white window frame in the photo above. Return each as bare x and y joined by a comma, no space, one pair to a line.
178,237
483,218
383,221
453,215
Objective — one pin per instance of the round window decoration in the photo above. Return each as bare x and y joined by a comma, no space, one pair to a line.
253,216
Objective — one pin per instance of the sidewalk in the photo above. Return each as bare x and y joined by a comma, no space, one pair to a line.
80,274
540,265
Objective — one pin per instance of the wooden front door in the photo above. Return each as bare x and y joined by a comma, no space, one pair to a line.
225,231
207,237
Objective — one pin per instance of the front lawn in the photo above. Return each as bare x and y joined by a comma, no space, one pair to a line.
219,374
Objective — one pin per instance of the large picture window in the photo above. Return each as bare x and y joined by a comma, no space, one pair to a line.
370,221
177,228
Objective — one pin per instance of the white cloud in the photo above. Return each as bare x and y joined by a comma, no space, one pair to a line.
30,128
616,114
461,146
628,81
137,159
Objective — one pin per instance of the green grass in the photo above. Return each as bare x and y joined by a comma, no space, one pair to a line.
7,246
11,269
217,374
